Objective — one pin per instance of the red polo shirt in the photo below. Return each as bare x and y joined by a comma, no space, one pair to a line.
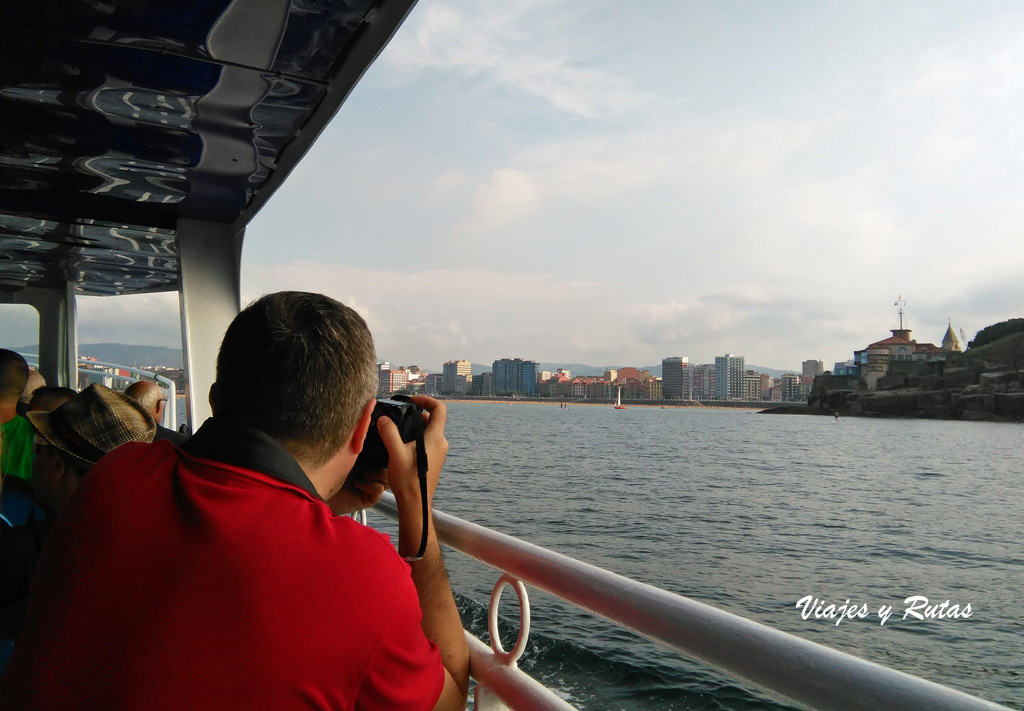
175,581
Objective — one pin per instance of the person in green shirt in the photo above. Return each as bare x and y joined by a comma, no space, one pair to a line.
16,432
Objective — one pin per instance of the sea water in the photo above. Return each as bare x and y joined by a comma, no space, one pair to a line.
750,513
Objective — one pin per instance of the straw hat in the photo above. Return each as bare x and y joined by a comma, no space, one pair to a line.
94,422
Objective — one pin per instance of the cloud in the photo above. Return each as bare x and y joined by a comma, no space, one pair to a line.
689,153
20,326
505,46
983,64
138,319
510,194
430,316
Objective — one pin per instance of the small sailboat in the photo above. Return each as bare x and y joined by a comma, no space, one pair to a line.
618,400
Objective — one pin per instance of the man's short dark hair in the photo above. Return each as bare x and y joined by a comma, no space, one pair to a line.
13,374
299,367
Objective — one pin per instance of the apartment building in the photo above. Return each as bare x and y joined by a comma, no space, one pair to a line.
514,376
676,383
813,367
729,376
456,376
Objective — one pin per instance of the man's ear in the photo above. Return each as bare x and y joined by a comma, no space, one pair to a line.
359,433
60,467
213,398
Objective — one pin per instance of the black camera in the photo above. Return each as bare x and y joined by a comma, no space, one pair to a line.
374,457
406,417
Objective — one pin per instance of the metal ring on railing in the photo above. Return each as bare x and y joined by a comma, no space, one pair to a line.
359,516
524,620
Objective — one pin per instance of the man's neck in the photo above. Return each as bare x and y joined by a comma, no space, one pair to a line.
329,477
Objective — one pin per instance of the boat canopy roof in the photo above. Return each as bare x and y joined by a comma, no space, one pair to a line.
119,119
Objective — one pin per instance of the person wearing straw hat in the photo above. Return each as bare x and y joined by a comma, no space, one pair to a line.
68,443
72,438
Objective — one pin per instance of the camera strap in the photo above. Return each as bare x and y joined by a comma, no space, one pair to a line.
421,472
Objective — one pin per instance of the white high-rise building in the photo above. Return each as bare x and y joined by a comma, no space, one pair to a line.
729,376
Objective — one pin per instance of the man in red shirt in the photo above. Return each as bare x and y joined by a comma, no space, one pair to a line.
218,575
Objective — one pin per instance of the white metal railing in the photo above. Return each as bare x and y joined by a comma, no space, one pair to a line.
170,410
782,664
103,371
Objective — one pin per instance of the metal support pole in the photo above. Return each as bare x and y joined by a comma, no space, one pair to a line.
58,331
209,258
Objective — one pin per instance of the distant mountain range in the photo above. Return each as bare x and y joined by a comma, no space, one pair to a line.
121,354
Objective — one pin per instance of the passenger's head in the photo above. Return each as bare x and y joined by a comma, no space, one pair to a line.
150,395
299,367
13,376
49,398
72,438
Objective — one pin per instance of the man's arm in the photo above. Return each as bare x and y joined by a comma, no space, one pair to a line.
441,622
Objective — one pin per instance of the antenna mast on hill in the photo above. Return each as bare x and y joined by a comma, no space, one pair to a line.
899,302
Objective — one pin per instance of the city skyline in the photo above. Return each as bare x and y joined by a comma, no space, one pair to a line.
725,380
18,340
621,182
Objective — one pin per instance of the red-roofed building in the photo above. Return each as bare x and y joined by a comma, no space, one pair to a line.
876,360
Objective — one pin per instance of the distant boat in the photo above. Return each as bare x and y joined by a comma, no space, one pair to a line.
618,400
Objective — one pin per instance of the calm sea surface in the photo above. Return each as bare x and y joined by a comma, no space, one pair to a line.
749,513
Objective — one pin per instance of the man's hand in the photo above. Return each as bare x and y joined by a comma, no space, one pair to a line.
359,492
401,473
440,622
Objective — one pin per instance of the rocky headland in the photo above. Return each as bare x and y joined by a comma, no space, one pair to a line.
984,383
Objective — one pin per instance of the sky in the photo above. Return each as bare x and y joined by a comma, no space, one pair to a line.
615,183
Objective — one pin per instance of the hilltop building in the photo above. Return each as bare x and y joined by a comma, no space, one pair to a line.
950,342
899,352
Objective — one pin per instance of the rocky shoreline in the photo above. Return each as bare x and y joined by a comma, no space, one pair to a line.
960,391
